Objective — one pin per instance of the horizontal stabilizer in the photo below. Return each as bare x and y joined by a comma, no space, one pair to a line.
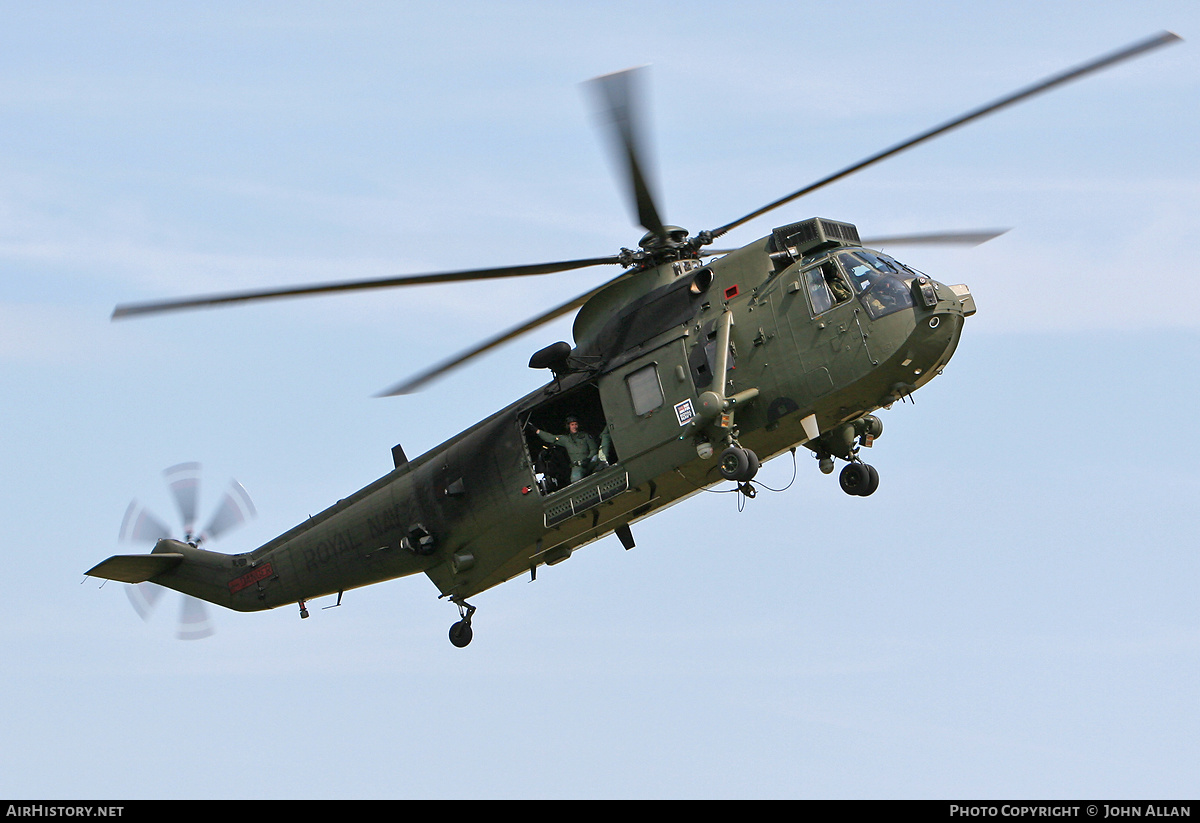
135,568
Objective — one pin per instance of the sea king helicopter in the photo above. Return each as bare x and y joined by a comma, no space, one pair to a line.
690,368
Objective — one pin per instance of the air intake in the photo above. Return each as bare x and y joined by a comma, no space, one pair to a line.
810,235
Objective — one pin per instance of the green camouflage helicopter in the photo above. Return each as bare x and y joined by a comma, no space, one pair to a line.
689,354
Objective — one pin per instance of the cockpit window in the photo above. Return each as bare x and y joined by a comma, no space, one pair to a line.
880,262
862,274
818,292
826,287
888,295
883,262
878,281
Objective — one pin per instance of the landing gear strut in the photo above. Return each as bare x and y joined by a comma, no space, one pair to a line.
857,478
460,632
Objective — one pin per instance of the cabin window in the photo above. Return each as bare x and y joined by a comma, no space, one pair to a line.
644,389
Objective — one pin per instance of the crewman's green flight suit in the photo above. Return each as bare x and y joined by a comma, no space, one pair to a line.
581,451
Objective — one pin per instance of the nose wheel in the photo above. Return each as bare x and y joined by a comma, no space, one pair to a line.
859,479
460,632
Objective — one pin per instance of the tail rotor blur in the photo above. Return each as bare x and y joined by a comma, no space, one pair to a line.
140,525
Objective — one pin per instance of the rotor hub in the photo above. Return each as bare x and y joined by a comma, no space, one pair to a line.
655,248
673,237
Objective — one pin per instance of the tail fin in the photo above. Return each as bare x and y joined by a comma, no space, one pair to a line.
135,568
180,566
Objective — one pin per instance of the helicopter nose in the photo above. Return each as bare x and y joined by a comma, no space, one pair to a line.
930,295
963,295
936,334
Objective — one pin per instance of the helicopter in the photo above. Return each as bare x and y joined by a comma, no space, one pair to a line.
690,368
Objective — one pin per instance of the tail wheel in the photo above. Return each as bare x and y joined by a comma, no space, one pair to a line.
461,634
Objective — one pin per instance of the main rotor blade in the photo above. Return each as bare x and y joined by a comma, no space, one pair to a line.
131,309
419,381
1067,76
619,97
945,238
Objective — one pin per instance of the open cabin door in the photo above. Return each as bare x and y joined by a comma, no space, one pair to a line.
568,473
635,415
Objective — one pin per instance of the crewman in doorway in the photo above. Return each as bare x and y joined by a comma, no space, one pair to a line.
580,447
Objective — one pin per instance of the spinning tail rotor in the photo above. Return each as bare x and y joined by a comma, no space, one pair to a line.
140,525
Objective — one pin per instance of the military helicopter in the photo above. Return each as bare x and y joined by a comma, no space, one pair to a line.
689,354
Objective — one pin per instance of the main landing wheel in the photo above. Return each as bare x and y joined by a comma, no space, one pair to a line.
738,464
859,479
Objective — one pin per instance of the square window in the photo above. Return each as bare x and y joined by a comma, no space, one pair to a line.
644,389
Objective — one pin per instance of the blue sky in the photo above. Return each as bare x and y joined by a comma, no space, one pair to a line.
1013,612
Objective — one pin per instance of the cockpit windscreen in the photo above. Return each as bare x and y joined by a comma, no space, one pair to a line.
878,281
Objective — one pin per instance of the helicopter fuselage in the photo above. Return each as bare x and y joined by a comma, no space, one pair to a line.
793,340
816,339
